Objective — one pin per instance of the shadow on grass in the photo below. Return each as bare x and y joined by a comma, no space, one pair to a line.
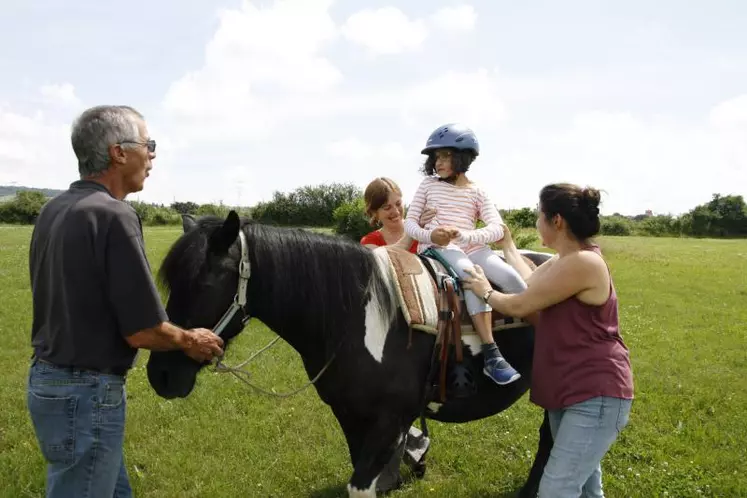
336,491
341,491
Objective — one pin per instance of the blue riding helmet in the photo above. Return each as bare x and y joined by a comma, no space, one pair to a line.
454,135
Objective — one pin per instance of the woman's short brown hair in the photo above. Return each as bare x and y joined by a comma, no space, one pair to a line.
376,195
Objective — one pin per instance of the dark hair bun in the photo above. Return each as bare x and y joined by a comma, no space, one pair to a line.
590,198
579,207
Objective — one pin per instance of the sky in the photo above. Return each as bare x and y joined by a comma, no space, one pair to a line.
646,101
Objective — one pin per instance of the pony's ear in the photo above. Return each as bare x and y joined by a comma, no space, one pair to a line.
223,237
188,222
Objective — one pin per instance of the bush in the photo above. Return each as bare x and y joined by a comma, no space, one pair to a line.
24,208
155,214
721,217
188,207
350,220
212,209
306,206
525,240
521,218
659,226
616,225
164,216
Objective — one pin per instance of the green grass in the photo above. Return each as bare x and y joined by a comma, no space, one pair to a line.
683,317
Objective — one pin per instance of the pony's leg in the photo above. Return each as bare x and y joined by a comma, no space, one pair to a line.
390,477
382,439
354,430
544,446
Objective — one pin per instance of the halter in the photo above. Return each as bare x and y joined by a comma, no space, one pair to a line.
239,299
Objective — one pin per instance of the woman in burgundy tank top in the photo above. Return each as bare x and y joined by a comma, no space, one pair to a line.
581,369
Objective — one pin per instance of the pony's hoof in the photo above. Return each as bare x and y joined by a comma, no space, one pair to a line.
418,470
388,483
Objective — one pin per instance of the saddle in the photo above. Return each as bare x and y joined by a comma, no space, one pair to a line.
430,297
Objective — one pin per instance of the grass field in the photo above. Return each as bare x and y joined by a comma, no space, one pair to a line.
683,317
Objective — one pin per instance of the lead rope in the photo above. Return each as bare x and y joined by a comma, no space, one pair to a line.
243,375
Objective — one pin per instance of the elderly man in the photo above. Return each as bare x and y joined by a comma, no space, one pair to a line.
95,304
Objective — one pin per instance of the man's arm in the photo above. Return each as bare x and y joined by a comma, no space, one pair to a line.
199,344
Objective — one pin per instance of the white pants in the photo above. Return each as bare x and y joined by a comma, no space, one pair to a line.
496,270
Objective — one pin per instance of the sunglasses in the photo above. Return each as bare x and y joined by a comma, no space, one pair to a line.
151,144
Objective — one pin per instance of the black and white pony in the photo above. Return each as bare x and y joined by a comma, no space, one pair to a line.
328,298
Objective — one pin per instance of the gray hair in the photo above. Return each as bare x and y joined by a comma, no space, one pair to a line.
98,128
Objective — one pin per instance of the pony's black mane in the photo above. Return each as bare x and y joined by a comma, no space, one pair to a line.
315,278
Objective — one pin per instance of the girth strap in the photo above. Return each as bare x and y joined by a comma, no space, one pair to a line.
449,329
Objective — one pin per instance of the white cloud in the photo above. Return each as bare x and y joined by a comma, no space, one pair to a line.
355,150
35,150
267,98
457,18
265,68
257,58
639,162
59,94
384,31
469,97
731,113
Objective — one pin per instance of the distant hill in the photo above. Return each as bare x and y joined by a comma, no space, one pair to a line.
8,191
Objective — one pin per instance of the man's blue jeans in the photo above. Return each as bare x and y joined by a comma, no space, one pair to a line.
582,435
79,420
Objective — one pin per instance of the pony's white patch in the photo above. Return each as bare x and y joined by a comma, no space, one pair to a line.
376,331
434,407
378,318
473,342
369,492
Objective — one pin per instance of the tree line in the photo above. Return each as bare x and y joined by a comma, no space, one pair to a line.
340,205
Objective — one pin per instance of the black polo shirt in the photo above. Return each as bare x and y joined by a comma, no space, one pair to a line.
90,280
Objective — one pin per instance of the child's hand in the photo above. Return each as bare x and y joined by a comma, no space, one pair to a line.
441,236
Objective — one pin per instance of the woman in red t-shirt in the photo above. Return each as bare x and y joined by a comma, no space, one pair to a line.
384,209
581,371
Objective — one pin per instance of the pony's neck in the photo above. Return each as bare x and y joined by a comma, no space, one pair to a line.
283,315
309,289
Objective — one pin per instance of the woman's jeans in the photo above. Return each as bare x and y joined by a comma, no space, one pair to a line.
79,420
582,435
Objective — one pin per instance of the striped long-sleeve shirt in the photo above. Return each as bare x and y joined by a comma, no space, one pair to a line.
457,207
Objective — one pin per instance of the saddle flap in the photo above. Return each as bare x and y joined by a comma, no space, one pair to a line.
416,291
405,262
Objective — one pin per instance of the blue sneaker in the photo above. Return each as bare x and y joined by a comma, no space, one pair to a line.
500,371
